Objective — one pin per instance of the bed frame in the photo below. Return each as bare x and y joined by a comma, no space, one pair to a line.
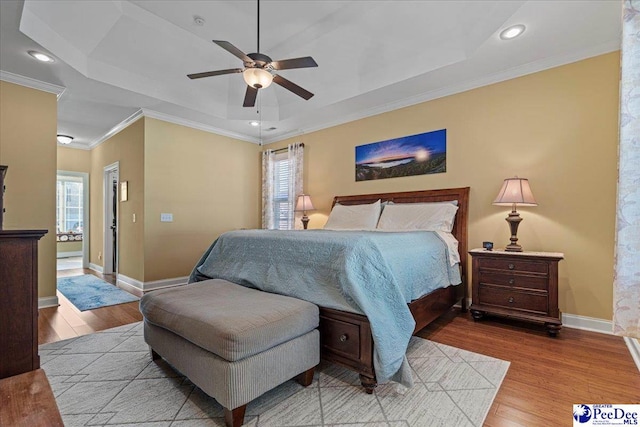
345,338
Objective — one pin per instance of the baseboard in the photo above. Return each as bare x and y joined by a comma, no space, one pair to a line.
126,282
44,302
165,283
587,323
68,254
95,267
634,349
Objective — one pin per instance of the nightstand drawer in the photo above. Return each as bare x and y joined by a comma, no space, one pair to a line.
514,280
514,300
512,264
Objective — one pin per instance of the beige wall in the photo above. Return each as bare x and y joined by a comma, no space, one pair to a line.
28,123
207,181
126,147
558,128
74,160
68,247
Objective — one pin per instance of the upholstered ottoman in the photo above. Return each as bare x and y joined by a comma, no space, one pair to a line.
233,342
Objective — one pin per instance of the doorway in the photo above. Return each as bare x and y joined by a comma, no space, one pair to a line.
72,220
110,229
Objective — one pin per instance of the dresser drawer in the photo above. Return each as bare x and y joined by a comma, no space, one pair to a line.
512,264
512,299
340,337
514,280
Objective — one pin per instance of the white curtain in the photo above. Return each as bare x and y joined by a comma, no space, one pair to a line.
268,158
626,298
296,164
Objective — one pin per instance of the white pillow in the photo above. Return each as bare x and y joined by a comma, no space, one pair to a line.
437,216
354,217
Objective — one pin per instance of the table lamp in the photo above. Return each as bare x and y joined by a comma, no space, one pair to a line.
303,205
515,191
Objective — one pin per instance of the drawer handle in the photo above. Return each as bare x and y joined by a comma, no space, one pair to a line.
511,266
511,300
512,281
344,337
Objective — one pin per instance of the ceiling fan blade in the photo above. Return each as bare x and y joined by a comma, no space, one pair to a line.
287,64
250,97
214,73
289,85
233,50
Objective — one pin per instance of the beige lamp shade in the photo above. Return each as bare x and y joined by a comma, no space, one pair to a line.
304,203
515,191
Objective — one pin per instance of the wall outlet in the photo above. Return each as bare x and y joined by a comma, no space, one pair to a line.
166,217
99,255
134,217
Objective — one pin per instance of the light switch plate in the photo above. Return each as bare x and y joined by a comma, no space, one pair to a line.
166,217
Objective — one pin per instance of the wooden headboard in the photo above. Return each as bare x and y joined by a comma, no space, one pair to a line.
460,194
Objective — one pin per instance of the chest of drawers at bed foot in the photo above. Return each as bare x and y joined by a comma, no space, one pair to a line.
345,338
521,285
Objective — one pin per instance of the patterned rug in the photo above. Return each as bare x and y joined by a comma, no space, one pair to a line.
108,379
87,292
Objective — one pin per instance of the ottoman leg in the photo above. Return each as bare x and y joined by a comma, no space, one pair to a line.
154,355
306,378
234,417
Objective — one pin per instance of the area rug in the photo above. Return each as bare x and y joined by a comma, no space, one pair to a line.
87,292
109,379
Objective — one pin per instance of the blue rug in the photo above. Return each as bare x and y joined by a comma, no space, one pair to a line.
87,292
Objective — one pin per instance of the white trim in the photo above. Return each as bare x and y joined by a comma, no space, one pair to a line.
86,218
44,302
68,254
32,83
165,283
500,76
95,267
117,128
634,349
587,323
127,282
197,125
108,247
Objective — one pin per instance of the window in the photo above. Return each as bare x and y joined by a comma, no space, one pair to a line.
281,182
69,204
281,203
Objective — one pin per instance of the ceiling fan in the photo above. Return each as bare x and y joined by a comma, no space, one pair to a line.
258,71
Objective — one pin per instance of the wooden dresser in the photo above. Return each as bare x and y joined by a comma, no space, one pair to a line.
19,302
522,285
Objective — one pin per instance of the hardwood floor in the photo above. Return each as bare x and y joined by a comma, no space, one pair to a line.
546,377
66,321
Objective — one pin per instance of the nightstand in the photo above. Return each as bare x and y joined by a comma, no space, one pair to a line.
522,285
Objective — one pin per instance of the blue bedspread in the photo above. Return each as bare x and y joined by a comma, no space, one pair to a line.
371,273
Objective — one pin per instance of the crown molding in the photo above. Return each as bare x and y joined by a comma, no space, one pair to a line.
197,125
512,73
117,128
32,83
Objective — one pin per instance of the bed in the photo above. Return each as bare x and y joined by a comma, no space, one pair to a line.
365,303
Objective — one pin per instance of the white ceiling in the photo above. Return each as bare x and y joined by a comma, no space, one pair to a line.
116,58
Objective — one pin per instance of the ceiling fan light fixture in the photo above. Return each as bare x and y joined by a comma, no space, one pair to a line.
257,77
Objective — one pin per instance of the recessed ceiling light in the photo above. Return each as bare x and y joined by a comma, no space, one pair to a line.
40,56
254,123
64,139
512,32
